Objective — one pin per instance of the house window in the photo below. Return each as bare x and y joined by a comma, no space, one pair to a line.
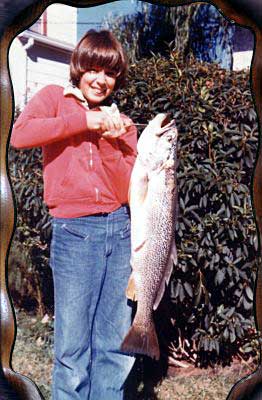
40,26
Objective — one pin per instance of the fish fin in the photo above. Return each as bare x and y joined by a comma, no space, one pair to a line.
141,341
131,288
138,184
169,269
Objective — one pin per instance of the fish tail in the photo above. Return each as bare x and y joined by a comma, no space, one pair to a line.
142,341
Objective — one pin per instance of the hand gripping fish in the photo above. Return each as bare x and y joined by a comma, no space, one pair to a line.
152,203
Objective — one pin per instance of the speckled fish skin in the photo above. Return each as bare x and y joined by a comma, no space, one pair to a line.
152,204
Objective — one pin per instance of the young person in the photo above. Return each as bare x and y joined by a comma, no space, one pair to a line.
88,155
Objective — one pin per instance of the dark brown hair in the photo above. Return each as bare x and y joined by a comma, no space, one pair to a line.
98,49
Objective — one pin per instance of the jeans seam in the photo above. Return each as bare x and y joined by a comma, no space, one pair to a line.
73,232
92,347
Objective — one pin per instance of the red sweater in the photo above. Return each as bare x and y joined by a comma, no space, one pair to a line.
83,173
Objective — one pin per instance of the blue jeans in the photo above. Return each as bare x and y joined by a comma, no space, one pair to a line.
90,259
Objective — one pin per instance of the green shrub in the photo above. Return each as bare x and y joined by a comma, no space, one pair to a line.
211,290
206,317
30,278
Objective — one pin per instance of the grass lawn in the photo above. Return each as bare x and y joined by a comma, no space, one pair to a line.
32,357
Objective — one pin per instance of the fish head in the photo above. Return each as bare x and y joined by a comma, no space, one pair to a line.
167,138
165,153
157,144
150,134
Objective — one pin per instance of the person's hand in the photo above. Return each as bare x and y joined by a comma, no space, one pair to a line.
122,128
109,126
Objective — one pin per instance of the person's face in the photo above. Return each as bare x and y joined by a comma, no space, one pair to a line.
97,84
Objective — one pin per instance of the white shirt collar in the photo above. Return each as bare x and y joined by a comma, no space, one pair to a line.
75,91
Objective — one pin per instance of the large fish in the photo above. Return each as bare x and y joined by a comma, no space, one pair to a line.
152,199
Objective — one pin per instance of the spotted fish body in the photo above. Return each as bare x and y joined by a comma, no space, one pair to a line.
152,204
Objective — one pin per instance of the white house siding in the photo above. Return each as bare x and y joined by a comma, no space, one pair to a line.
47,60
46,66
242,60
17,68
62,23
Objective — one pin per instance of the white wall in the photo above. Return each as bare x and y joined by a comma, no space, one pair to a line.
17,68
242,60
44,71
36,67
62,23
42,65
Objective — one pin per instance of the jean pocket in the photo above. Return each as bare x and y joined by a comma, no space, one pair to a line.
75,231
125,232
